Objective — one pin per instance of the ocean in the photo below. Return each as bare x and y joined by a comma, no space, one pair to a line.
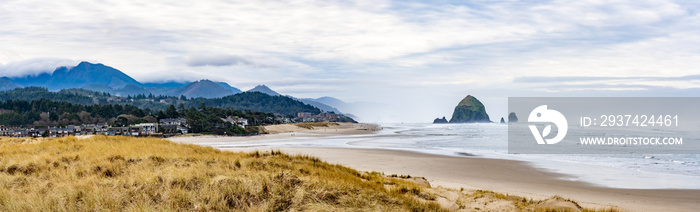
490,140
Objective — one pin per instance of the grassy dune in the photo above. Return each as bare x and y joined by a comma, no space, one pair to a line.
312,125
148,174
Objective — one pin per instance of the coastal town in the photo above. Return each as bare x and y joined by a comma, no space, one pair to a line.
162,128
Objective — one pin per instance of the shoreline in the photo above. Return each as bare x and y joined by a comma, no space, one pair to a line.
498,175
286,131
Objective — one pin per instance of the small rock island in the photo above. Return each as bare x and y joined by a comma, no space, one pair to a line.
512,117
442,120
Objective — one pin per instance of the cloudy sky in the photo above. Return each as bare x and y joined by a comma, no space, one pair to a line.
419,56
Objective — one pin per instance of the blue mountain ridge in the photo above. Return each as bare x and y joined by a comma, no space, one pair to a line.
102,78
99,77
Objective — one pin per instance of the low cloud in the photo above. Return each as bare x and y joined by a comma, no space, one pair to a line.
583,83
34,66
217,60
541,79
312,81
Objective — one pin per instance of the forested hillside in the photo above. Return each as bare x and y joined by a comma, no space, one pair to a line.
253,101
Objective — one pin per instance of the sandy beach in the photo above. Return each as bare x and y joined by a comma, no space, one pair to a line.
285,131
505,176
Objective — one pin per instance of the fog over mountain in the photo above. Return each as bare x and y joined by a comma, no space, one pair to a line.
102,78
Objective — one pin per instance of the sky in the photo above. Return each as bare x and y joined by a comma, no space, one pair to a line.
407,60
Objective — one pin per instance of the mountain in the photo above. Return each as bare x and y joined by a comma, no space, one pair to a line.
179,88
98,87
204,88
319,105
130,90
357,110
264,89
470,110
79,76
8,84
257,101
98,77
75,96
169,84
38,80
333,102
253,101
101,78
313,102
227,86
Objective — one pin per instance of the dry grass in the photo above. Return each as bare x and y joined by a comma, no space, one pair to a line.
311,125
147,174
492,201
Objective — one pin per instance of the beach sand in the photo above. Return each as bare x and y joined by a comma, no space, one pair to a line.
504,176
284,131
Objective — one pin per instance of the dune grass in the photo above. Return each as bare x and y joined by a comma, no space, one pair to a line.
148,174
311,125
117,173
477,198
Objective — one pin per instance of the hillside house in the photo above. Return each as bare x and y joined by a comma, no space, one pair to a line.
118,131
61,131
173,126
238,121
143,129
322,117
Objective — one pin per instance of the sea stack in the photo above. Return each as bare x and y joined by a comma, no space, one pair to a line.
512,117
503,121
442,120
470,110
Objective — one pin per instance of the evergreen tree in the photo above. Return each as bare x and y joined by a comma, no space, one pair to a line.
171,112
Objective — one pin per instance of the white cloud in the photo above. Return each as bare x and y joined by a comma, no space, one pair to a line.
379,47
34,66
217,60
599,13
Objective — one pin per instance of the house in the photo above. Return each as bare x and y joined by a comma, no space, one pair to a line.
36,132
61,131
94,129
101,128
77,130
4,131
176,121
56,131
235,120
173,126
143,129
322,117
20,133
304,115
118,131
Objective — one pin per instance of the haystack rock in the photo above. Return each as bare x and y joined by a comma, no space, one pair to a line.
470,110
